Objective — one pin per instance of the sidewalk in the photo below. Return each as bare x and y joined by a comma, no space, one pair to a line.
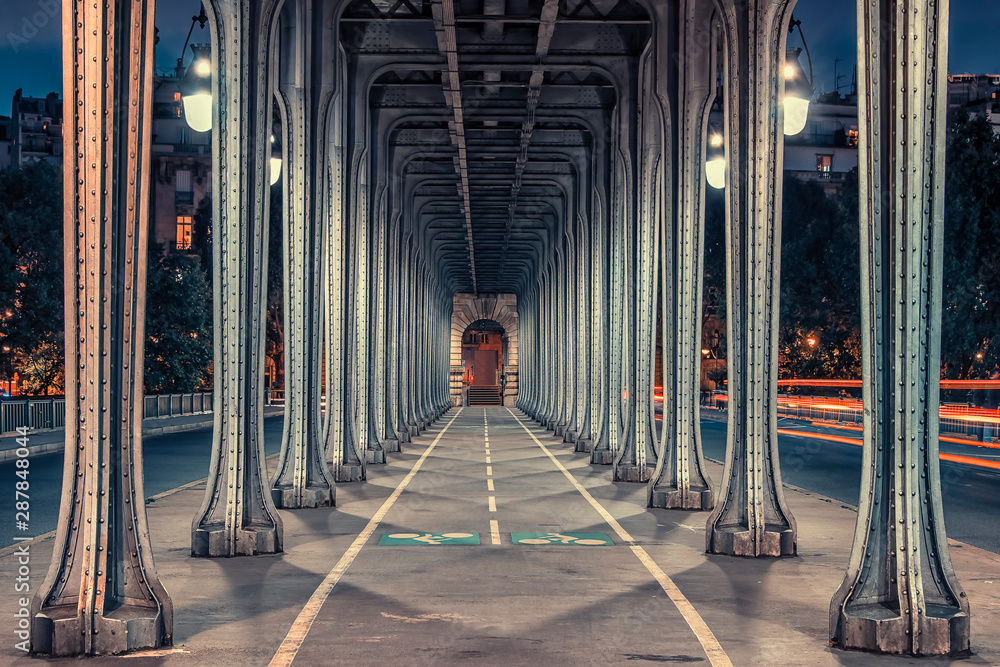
46,442
506,604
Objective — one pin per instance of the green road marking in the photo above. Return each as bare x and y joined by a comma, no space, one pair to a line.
571,539
428,539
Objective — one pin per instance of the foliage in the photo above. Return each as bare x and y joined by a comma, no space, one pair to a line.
178,324
971,290
201,235
31,276
820,318
275,346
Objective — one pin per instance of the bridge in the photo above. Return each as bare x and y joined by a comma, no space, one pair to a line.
456,172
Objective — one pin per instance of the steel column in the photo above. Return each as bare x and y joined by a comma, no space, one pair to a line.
680,480
102,593
238,516
751,518
900,594
302,478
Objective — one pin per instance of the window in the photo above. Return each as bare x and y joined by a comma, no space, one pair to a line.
852,138
183,232
824,163
183,195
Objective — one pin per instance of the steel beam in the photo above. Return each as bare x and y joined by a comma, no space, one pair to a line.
102,593
751,518
900,594
680,480
303,478
238,516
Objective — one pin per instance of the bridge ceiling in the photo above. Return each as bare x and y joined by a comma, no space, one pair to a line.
487,115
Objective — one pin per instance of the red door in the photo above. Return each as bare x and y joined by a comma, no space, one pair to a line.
484,370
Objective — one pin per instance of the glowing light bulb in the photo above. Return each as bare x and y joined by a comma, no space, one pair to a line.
715,172
796,115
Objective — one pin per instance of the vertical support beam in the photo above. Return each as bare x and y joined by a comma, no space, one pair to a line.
900,594
341,445
302,478
238,516
751,518
599,328
680,480
102,593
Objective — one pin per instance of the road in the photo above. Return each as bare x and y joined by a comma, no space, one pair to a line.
831,469
169,461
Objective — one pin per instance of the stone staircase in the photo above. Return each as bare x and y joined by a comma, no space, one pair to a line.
484,395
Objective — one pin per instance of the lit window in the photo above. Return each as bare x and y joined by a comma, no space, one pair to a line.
852,138
824,163
177,97
183,232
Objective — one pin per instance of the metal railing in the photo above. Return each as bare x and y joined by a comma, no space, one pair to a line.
40,414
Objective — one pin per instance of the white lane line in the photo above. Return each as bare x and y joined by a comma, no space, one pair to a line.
495,531
493,503
716,654
489,459
303,622
489,471
489,485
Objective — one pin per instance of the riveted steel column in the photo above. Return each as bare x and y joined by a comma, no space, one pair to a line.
751,518
379,314
342,447
600,333
302,478
900,594
559,341
238,517
394,436
680,480
579,316
102,593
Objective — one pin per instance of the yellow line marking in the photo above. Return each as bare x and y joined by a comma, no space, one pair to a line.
493,503
495,531
303,622
489,485
489,471
716,654
489,459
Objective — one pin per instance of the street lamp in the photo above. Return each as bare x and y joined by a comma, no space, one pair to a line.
715,162
798,89
275,160
196,82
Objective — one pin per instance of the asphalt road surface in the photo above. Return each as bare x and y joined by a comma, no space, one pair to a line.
169,461
831,469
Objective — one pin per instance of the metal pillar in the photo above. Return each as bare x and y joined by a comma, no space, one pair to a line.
680,480
102,593
342,451
751,518
303,478
238,516
900,594
641,235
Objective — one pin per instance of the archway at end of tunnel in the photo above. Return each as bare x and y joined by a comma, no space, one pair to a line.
484,344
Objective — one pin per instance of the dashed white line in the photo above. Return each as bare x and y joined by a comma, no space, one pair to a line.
489,485
493,503
495,531
489,471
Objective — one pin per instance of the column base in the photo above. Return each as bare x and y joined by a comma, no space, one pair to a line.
696,499
604,457
879,629
390,445
210,541
632,473
374,456
583,446
414,430
403,433
776,541
569,436
313,496
57,631
559,429
348,473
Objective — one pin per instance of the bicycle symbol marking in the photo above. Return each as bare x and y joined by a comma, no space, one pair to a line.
558,538
430,538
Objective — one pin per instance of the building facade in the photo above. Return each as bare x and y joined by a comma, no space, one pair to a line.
36,128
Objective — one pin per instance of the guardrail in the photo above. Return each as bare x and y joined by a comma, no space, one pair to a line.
41,414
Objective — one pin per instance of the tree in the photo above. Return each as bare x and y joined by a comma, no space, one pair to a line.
178,324
275,346
820,306
970,331
31,276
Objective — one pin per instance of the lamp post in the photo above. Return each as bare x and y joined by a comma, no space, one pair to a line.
196,81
